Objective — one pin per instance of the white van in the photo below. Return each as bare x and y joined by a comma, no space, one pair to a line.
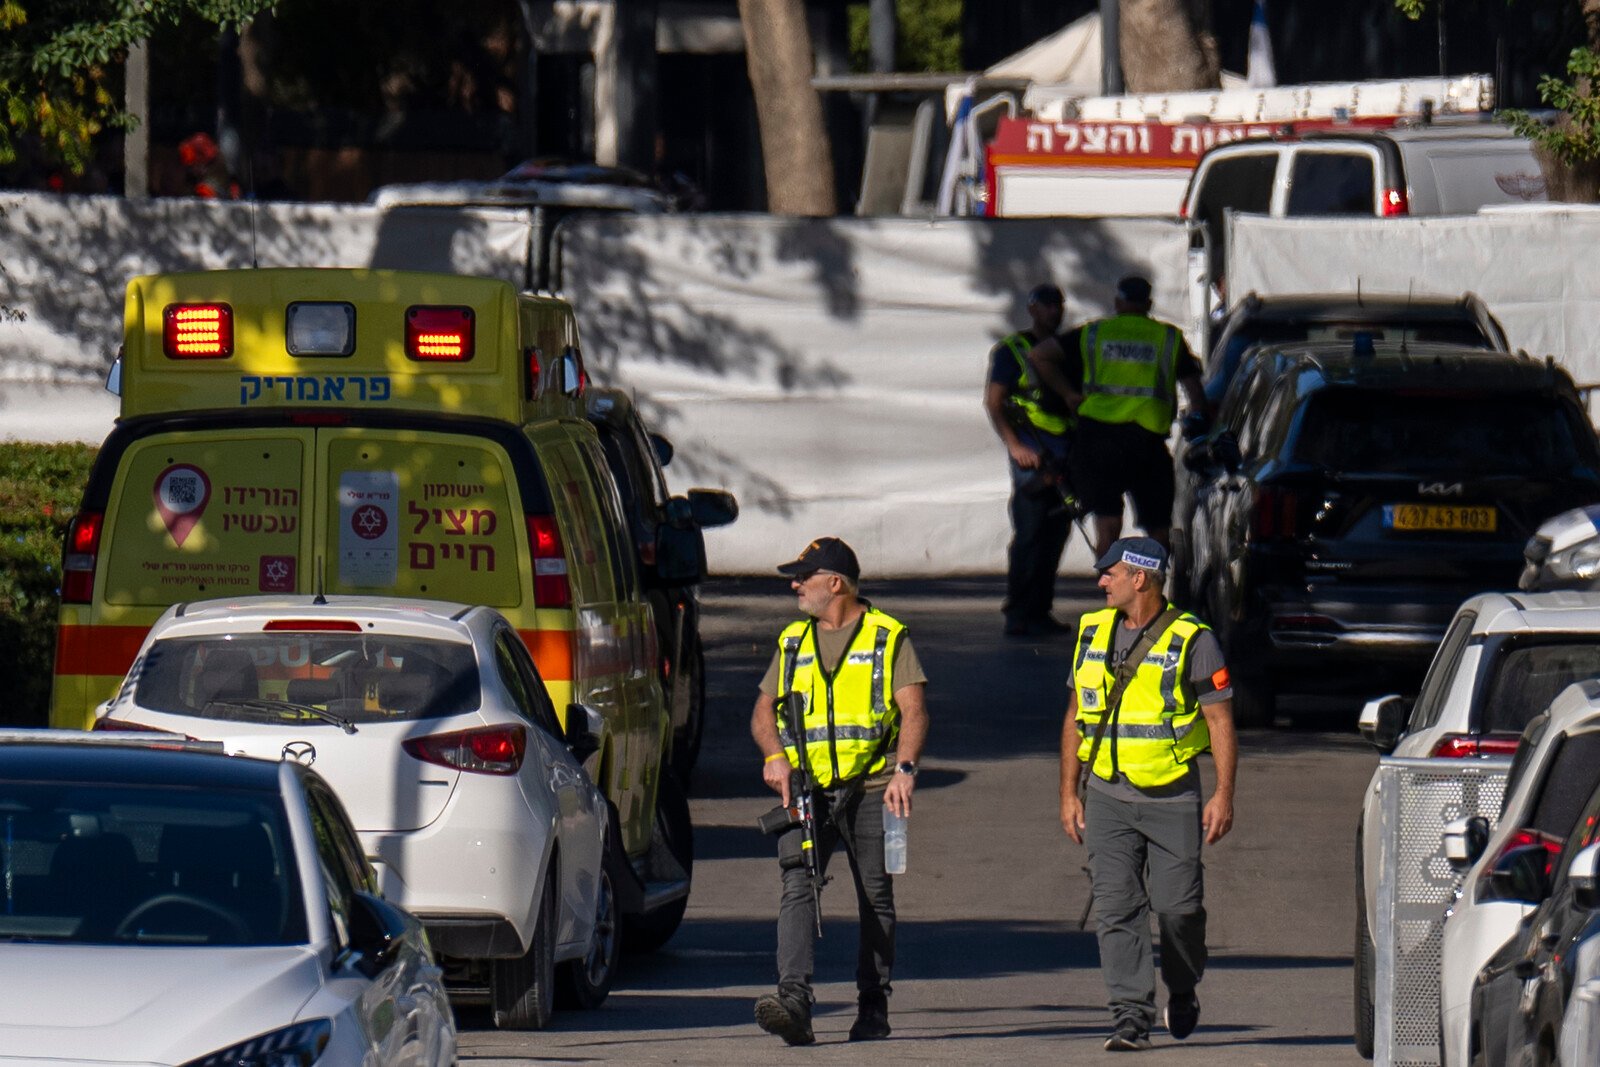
1439,168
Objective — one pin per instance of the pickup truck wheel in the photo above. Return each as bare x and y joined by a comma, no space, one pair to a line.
522,989
648,932
686,743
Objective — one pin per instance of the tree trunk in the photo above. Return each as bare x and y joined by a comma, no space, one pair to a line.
1168,46
794,145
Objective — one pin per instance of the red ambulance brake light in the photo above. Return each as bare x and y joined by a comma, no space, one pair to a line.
550,586
77,565
197,331
439,334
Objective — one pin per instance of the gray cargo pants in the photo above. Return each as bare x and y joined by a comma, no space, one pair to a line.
1143,857
860,826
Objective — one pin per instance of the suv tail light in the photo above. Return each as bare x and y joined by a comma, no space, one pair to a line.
1393,202
550,586
1472,746
490,750
78,562
1276,516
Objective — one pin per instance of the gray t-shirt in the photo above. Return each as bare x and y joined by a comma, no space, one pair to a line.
1205,661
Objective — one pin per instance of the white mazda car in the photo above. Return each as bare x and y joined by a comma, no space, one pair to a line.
432,723
190,908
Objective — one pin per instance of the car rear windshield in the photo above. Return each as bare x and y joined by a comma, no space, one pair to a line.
1361,430
1528,677
146,865
1573,775
287,678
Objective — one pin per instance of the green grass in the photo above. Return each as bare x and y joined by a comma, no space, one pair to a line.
40,487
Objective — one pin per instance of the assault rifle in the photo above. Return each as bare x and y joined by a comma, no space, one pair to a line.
801,811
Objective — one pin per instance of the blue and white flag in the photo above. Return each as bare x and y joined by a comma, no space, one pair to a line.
1259,74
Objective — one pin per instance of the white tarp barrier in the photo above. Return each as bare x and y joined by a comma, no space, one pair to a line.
831,372
1526,263
65,262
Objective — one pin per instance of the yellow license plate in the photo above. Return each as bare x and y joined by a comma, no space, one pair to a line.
1456,519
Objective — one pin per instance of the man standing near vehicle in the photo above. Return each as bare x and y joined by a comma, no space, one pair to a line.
862,731
1034,424
1149,693
1121,376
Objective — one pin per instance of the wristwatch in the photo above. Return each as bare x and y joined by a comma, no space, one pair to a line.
906,767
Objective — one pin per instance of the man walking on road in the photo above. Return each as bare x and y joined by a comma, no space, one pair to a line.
861,685
1149,692
1121,376
1035,425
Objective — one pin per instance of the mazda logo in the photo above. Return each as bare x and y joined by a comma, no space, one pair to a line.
302,752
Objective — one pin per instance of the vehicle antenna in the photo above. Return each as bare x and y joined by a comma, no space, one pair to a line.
319,598
1358,292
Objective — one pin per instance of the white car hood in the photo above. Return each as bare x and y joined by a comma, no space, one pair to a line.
145,1004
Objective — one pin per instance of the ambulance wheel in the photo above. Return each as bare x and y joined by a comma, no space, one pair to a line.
651,930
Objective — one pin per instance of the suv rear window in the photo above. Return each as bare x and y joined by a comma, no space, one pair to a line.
1242,182
279,678
1331,183
1473,435
1527,678
1566,787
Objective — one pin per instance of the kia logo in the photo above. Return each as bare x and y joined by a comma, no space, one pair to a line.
302,752
1440,488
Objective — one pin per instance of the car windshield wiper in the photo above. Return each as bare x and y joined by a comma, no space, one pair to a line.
288,705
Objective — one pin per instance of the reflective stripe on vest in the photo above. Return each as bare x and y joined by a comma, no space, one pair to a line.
1159,727
1028,397
850,717
1129,372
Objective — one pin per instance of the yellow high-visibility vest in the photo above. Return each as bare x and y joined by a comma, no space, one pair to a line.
1129,372
1028,396
851,718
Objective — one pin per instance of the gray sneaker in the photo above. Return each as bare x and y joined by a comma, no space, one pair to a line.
1127,1038
779,1015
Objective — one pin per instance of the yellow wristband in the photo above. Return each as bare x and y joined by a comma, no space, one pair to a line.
776,755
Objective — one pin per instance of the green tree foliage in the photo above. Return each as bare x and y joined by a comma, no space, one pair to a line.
929,37
59,60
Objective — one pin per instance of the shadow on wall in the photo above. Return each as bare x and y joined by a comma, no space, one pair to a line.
634,309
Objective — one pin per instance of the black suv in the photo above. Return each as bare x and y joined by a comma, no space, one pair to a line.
636,456
1350,496
1276,321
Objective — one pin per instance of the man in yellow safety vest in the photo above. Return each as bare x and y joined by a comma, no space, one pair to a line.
853,670
1149,693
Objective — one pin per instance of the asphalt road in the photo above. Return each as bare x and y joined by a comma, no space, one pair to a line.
992,965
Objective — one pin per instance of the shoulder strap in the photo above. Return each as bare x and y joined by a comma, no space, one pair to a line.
1125,672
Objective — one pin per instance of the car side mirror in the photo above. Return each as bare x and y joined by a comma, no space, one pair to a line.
1465,840
1383,722
709,508
663,448
585,726
680,553
1583,874
377,932
1522,874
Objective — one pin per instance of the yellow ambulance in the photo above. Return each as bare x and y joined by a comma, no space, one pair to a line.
377,433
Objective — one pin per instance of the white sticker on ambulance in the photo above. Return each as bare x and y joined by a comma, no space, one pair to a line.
369,528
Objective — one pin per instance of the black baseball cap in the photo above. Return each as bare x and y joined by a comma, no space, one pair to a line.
1046,294
1135,289
825,554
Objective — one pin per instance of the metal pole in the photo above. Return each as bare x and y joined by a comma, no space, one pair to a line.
1110,47
136,143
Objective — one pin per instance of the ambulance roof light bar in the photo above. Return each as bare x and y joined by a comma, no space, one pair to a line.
197,331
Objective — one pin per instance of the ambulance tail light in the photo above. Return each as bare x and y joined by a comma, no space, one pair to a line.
1393,202
197,331
439,334
551,589
78,562
489,750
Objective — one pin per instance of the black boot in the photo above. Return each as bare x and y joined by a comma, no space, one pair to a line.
786,1017
872,1018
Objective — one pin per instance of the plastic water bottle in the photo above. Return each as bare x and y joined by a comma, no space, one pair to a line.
894,842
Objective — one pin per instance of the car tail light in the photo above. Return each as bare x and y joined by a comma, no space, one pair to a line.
490,750
439,334
1277,515
78,562
1393,202
342,626
1473,746
197,331
550,586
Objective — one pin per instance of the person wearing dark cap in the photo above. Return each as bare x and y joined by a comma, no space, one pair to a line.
1149,693
1035,425
862,730
1121,375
